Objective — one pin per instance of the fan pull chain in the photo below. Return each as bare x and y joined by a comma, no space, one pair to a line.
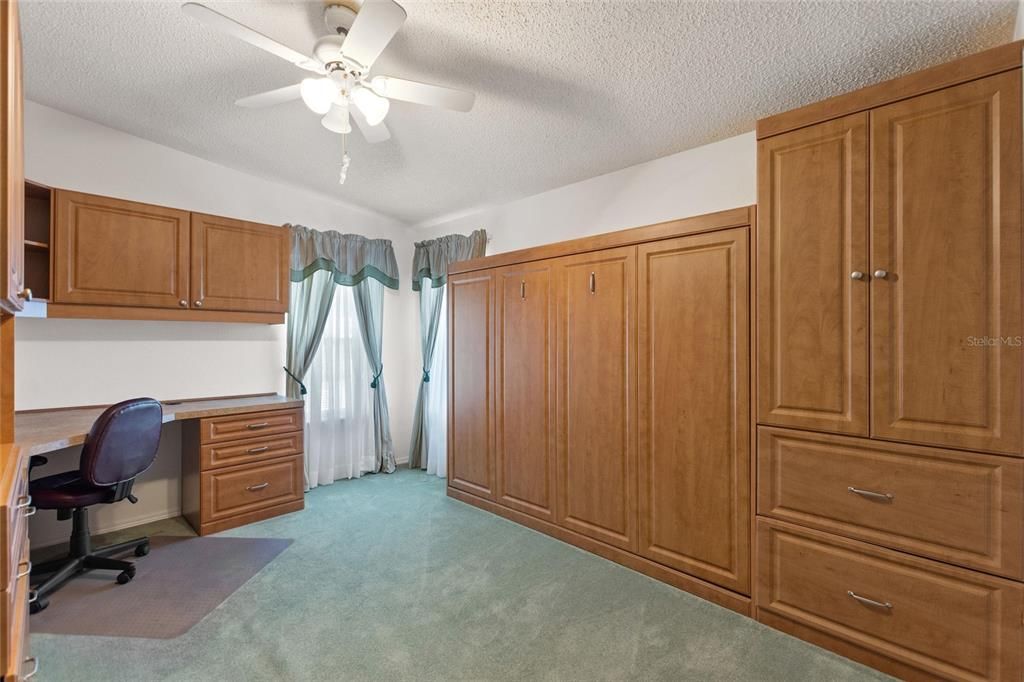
345,160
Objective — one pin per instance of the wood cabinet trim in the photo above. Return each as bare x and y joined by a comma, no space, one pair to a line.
709,222
117,312
980,65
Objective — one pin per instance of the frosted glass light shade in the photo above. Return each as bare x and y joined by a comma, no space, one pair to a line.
319,94
336,120
373,106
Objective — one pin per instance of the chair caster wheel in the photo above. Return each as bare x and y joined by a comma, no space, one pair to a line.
38,605
126,576
142,550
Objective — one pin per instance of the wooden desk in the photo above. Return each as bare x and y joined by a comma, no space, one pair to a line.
241,462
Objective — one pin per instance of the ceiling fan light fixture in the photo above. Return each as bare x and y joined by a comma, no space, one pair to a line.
319,94
336,120
373,106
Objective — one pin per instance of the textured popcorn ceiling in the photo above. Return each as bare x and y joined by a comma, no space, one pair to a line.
566,90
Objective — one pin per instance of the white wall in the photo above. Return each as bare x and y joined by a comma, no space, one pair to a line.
710,178
86,362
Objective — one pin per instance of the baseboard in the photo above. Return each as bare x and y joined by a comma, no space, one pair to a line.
726,598
121,525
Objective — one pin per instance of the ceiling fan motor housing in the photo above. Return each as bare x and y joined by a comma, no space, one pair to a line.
339,18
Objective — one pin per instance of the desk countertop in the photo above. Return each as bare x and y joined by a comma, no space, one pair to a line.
43,431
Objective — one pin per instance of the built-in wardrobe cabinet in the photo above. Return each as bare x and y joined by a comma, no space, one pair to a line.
890,482
111,258
599,392
12,153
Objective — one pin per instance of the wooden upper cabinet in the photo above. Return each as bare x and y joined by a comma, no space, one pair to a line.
471,383
812,280
12,200
596,478
525,383
946,229
693,377
122,253
238,265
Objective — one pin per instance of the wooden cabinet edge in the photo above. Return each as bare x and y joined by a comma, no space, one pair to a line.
104,312
718,595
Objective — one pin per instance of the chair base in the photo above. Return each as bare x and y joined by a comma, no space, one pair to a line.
82,558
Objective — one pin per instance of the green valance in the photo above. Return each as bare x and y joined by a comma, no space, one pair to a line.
433,256
350,257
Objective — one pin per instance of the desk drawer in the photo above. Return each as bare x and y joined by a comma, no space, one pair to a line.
14,624
249,425
237,490
250,450
14,526
959,507
950,622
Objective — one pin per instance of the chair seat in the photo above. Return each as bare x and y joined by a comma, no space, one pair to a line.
67,490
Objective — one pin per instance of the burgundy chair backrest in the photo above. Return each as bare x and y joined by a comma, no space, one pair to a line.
122,442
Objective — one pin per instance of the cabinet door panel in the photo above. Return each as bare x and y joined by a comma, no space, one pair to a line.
237,265
525,382
812,316
596,412
12,203
693,376
946,319
470,383
114,252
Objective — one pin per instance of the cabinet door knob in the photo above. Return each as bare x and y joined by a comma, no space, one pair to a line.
881,274
593,282
26,294
198,304
183,303
856,274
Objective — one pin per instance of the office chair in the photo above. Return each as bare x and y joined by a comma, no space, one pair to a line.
121,444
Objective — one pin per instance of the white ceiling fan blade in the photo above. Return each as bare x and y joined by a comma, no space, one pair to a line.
373,134
271,97
219,22
375,25
423,93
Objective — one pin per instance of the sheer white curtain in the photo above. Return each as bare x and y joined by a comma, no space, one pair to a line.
339,407
435,410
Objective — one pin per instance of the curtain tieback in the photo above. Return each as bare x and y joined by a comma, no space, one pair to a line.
426,375
376,377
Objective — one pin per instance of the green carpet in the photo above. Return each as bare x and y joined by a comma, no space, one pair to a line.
388,579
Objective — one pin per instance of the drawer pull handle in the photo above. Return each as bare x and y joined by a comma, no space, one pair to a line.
32,596
261,425
24,501
870,602
35,667
886,497
30,511
258,486
25,571
253,451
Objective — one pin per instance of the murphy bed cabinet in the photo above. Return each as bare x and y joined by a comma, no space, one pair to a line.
890,488
599,392
112,258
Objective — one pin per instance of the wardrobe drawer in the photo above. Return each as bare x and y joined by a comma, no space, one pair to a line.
241,489
948,621
250,450
236,426
959,507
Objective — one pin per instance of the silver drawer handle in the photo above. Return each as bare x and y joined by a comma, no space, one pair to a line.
23,502
35,667
870,602
870,493
28,569
258,486
261,425
253,451
32,596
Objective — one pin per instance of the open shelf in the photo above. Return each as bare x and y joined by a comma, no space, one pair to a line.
38,212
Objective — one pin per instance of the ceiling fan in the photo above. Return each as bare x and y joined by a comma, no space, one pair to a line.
342,88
